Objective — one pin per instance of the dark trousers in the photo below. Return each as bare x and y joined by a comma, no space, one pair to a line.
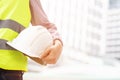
10,75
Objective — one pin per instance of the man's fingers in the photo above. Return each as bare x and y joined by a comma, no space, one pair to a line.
45,53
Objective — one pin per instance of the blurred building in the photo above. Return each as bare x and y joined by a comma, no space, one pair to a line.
102,28
112,28
93,24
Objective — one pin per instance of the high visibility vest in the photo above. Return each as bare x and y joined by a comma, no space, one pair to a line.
14,17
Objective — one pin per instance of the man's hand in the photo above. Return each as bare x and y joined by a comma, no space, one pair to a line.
52,53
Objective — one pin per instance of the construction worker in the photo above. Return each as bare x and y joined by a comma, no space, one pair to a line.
16,15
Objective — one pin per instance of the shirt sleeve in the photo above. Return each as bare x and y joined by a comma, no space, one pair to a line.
38,17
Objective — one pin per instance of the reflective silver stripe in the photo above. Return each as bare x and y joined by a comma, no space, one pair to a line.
12,25
4,45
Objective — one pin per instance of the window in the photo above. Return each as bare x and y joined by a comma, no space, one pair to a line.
114,4
99,3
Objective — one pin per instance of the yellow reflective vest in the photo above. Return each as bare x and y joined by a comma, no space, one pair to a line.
14,17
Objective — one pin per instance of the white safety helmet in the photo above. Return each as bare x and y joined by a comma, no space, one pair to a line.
32,41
